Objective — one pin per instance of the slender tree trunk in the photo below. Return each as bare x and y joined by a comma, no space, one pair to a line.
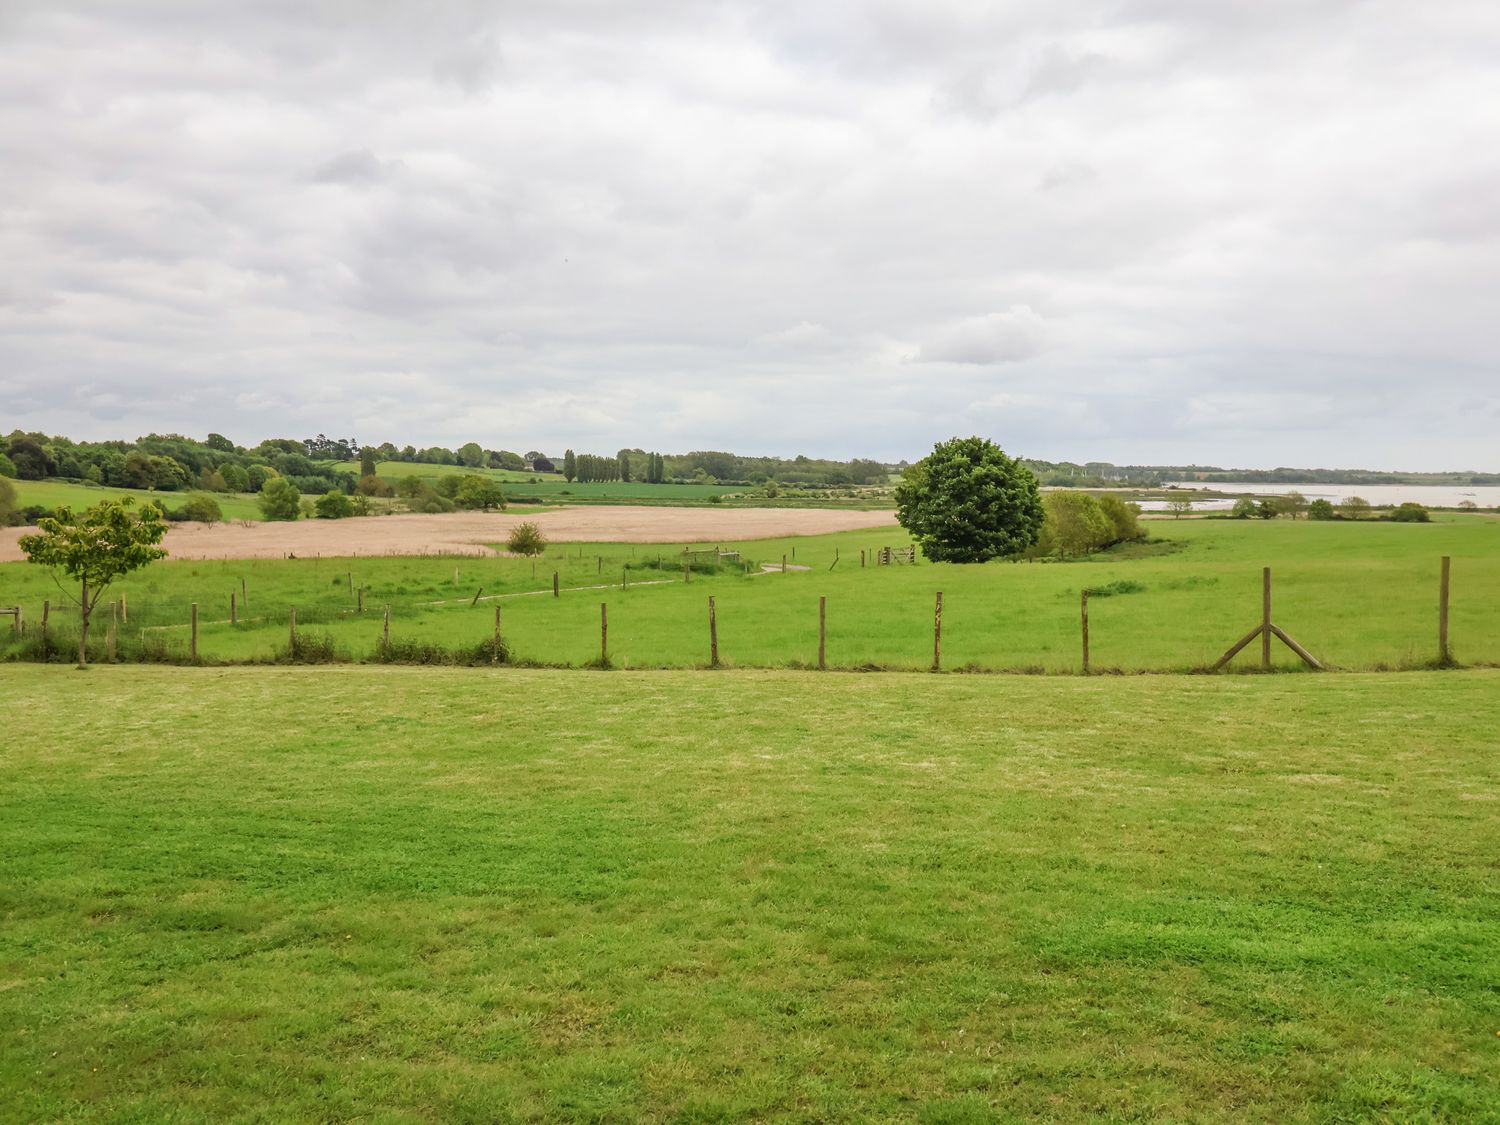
83,630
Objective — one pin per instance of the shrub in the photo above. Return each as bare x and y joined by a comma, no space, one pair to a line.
279,499
1243,508
201,508
1411,512
1354,507
526,539
1074,524
1321,509
1123,517
333,506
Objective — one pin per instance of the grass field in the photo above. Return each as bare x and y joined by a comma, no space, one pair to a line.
1360,596
552,486
424,894
55,493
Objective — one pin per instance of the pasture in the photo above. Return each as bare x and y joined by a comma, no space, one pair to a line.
433,894
553,486
78,496
1358,595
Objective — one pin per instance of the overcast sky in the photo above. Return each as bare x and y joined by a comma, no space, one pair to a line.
1245,232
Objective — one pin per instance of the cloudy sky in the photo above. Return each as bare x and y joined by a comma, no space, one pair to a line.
1246,232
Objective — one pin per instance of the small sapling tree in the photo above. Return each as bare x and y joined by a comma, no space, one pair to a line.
93,549
966,501
526,539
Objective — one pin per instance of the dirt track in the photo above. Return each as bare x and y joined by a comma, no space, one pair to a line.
468,533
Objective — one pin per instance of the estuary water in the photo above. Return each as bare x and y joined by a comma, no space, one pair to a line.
1428,495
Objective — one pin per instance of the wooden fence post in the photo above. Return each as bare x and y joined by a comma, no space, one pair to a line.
1084,610
46,612
193,639
472,604
124,611
624,578
385,627
361,594
554,584
234,612
713,634
244,598
1445,655
603,633
861,558
599,564
292,632
822,634
937,634
1265,619
783,564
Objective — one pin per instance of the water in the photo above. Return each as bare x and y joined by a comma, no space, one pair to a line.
1428,495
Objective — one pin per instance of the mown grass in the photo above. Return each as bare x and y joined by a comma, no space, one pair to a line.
403,894
1359,596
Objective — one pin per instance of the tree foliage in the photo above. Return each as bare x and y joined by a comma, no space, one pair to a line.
94,548
478,492
526,539
966,501
333,506
279,499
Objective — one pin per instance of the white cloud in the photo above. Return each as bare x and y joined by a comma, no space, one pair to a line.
735,225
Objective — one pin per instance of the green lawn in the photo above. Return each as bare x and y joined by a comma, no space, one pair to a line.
1359,596
419,894
54,493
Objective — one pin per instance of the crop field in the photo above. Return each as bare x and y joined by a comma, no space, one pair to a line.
55,493
447,894
1359,596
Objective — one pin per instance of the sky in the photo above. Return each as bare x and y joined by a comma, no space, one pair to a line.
1247,233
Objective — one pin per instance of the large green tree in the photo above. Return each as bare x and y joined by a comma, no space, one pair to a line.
966,501
570,465
94,548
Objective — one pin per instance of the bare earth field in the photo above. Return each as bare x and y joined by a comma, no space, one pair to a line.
467,533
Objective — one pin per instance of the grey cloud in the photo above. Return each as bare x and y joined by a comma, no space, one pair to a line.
360,166
1002,337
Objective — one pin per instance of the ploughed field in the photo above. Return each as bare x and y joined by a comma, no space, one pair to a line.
449,894
1357,595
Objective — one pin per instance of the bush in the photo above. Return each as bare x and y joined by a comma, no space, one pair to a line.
1321,510
279,499
1411,512
526,539
1123,517
1243,508
200,507
334,506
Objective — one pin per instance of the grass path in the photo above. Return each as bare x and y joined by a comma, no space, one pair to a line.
419,894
